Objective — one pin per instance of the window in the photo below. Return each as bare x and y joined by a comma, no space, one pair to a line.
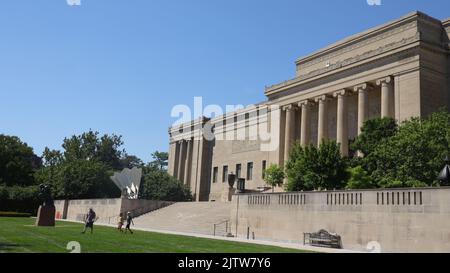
264,166
225,174
249,170
238,170
215,172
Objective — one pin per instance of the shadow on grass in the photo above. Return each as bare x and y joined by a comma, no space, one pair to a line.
9,247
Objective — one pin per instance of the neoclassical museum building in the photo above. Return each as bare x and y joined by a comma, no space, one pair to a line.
400,69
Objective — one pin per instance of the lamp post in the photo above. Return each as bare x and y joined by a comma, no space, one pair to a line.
444,176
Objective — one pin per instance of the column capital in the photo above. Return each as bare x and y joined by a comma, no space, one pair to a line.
305,103
385,80
321,98
288,107
342,92
363,87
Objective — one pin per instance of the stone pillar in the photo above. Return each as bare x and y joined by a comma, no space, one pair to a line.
188,164
342,121
363,104
322,128
180,161
175,159
387,97
305,122
289,130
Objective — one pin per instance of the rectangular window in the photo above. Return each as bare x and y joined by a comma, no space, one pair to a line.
249,170
238,170
264,166
215,173
225,174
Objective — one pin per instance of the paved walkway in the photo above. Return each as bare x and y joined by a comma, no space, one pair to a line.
240,240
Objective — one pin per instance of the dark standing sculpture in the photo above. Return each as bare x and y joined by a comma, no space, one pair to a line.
231,190
46,211
231,179
444,176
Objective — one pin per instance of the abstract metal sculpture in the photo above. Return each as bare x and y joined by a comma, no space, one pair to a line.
128,181
444,176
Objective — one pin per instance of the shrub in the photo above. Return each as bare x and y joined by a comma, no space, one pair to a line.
359,179
14,214
19,199
274,176
310,168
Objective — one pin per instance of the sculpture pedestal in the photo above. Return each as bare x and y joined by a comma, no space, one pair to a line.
227,194
46,216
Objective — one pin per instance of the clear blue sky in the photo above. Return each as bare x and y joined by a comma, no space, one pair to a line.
119,66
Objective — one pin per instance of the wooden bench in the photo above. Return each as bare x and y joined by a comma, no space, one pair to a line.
322,239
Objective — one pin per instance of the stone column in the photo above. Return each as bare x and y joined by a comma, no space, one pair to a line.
288,131
188,165
363,104
342,121
387,97
175,159
305,126
180,161
322,128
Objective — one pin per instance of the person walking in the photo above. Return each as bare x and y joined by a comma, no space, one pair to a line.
91,217
121,221
129,222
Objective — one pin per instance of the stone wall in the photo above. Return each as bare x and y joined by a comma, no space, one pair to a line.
107,210
401,220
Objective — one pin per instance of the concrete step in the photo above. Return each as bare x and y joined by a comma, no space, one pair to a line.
191,217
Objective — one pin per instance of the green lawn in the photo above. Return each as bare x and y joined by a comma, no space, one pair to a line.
20,235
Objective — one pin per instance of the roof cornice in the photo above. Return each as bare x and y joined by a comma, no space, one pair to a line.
368,33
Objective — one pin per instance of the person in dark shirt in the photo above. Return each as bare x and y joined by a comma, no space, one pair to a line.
129,222
90,219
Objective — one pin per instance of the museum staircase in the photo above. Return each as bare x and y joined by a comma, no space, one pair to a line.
189,217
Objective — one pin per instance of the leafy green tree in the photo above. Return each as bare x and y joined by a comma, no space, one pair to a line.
157,184
310,168
359,179
274,176
90,146
131,161
414,155
52,157
374,132
83,179
17,162
160,160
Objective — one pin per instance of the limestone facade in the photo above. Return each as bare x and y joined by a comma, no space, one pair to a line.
399,70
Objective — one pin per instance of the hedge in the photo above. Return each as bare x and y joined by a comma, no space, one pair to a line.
19,199
14,214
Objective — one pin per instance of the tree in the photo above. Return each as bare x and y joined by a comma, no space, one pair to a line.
89,146
157,184
274,176
414,155
131,161
160,160
79,179
374,132
52,157
359,179
310,168
17,162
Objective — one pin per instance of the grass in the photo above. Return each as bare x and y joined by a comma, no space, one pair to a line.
20,235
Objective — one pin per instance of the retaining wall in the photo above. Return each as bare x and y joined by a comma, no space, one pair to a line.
400,220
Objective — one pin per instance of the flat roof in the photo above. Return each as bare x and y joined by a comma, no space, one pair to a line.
364,34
